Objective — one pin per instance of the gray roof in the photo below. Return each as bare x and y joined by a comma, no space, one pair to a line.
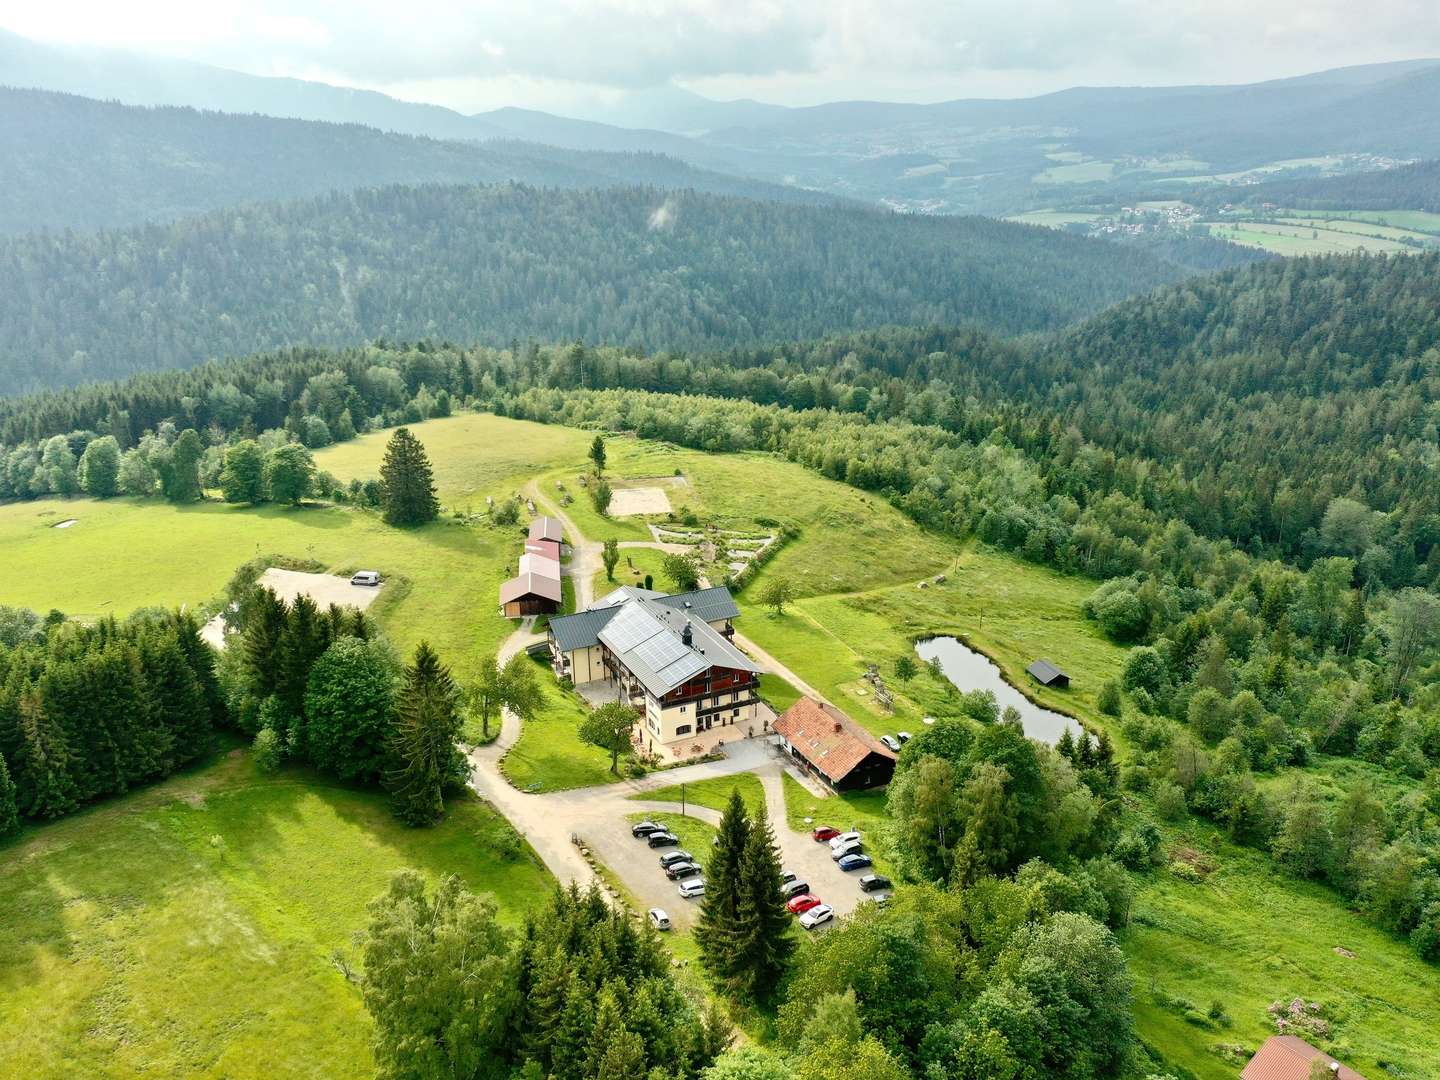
708,605
646,636
581,630
1045,671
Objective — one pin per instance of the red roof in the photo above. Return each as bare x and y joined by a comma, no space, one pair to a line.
1288,1057
827,738
550,549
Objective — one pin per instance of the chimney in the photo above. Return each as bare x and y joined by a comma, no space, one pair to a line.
1334,1068
837,727
686,636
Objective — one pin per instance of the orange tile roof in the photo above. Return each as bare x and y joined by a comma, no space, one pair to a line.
1288,1057
827,738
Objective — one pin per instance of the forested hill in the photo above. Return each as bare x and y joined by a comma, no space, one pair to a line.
1408,187
626,266
73,162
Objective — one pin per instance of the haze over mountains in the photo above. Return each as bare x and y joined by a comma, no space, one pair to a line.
957,156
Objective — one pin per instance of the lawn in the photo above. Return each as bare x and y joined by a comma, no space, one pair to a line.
187,929
1011,610
1301,239
634,564
1249,935
473,455
713,793
124,554
549,755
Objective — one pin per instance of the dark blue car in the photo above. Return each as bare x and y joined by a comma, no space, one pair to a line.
854,862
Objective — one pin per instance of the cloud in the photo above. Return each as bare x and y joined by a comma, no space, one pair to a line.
794,49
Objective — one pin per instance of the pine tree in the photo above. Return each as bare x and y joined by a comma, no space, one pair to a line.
763,942
46,789
597,455
407,483
427,723
301,644
717,929
264,625
9,808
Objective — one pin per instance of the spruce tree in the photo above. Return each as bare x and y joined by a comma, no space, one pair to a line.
301,643
9,808
716,931
264,625
763,942
427,727
406,482
46,789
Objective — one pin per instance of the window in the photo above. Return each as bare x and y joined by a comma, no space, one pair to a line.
683,729
735,713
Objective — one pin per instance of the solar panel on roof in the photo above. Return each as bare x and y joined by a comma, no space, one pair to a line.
682,668
660,650
629,628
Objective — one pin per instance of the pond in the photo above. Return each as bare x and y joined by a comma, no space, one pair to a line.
970,670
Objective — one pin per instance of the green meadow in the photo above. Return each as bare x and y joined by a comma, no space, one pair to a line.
192,929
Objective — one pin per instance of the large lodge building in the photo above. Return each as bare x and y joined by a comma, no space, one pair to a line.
671,658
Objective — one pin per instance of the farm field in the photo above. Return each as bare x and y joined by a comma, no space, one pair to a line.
1301,239
1422,221
124,554
1080,172
187,929
1353,226
1054,219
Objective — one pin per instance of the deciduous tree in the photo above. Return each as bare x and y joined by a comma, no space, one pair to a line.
609,727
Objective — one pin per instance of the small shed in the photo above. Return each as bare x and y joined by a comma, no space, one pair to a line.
547,528
1047,674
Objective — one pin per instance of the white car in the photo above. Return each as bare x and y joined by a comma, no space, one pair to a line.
692,888
837,842
365,577
820,913
659,919
852,848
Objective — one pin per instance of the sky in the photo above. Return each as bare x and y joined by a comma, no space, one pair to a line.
584,56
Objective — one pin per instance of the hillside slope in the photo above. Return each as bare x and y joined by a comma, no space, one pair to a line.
628,266
73,162
1407,187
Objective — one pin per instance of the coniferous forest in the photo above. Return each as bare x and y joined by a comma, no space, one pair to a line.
636,267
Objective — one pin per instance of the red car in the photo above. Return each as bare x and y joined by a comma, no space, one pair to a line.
822,833
802,903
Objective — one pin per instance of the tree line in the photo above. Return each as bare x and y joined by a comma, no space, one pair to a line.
92,711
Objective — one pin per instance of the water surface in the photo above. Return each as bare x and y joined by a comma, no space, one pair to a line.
970,670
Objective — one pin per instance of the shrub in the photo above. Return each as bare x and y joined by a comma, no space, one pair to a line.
268,751
1110,700
1170,800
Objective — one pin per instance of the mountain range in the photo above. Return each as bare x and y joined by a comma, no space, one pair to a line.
957,156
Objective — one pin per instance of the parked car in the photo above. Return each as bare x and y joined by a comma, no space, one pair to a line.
824,832
820,913
874,882
843,839
904,737
879,899
681,870
787,876
691,888
852,848
365,577
802,903
662,839
891,741
794,888
642,829
658,919
854,861
670,858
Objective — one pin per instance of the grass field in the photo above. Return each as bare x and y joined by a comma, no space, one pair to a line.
713,793
1082,172
1352,226
1248,936
124,554
187,929
1054,219
549,755
473,455
1301,239
1011,610
1421,221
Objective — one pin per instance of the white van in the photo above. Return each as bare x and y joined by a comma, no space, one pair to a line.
365,577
